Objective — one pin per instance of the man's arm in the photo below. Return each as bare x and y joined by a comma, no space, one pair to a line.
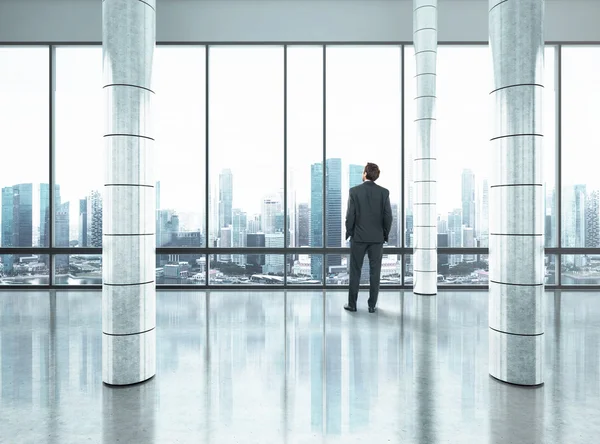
387,218
350,217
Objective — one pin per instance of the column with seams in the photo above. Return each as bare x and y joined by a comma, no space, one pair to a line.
424,184
516,193
129,293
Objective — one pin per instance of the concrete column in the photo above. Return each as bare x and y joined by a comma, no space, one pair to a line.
129,295
424,185
516,193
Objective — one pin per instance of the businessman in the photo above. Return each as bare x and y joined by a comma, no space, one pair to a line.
368,223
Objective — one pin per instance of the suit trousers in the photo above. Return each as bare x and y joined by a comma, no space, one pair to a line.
357,254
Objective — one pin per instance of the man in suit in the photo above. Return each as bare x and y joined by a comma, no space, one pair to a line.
368,223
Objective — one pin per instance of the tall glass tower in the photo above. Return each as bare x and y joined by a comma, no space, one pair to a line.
316,218
334,209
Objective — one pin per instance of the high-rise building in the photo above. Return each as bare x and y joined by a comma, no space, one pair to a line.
61,234
61,224
83,223
316,218
225,197
8,208
45,213
272,214
355,173
455,234
274,263
334,209
551,216
443,259
394,236
468,242
226,242
302,239
442,226
17,215
592,220
574,216
255,240
94,219
167,224
468,198
240,222
483,222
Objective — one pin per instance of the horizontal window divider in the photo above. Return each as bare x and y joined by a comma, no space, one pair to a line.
316,250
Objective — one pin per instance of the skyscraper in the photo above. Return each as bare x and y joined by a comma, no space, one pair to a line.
225,197
334,209
274,263
8,208
83,220
17,216
302,239
592,220
272,214
574,216
394,237
254,240
468,198
355,173
61,224
483,225
316,218
226,242
240,222
94,222
45,213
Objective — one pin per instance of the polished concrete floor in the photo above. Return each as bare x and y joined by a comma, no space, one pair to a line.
294,367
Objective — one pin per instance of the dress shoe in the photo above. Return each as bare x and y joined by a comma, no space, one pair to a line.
349,308
371,309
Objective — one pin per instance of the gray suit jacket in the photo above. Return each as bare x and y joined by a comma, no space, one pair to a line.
369,216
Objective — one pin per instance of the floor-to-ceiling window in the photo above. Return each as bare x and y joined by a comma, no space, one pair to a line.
24,163
256,148
363,124
246,141
580,185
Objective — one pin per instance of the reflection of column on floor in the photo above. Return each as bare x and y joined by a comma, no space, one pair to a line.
516,413
425,365
128,413
516,193
129,260
317,358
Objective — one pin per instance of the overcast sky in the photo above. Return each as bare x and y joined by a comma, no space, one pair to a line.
246,118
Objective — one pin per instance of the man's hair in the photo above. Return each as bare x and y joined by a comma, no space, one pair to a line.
372,171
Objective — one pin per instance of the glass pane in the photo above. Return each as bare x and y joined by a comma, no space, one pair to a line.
581,182
246,269
363,125
79,127
463,85
391,270
180,85
550,266
181,269
456,269
24,269
550,147
78,269
580,269
300,269
24,105
246,145
305,145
